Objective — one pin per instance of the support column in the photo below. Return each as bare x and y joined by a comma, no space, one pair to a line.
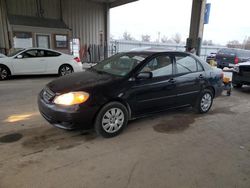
107,30
196,26
4,38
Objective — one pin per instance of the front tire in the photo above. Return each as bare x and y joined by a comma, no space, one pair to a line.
204,102
111,120
4,73
65,70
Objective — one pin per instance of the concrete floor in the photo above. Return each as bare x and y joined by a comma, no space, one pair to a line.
177,149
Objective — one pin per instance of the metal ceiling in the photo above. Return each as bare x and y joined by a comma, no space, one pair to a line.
115,3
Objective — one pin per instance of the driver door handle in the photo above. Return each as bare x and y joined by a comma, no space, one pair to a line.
201,76
172,80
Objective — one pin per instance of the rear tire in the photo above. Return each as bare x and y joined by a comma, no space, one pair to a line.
111,120
65,70
205,102
4,72
237,85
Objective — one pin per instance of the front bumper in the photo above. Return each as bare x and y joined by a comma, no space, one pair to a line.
240,79
67,117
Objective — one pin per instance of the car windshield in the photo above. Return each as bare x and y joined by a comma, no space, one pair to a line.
120,64
15,52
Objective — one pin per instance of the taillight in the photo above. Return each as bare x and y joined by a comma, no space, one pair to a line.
77,59
236,60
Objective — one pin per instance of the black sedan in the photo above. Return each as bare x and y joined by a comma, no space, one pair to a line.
241,75
128,86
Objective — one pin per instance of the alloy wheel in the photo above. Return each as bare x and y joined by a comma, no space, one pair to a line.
65,70
206,102
3,73
113,120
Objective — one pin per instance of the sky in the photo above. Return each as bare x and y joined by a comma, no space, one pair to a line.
229,20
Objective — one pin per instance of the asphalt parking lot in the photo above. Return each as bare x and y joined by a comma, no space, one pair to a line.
171,149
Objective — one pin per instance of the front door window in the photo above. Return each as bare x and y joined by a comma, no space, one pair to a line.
159,66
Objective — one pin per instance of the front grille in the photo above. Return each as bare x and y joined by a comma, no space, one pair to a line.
48,95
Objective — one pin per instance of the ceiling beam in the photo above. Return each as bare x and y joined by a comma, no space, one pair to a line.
120,2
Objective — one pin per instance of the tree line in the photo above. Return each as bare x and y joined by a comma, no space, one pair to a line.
175,39
236,44
147,38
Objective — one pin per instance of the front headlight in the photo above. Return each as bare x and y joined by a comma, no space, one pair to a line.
71,98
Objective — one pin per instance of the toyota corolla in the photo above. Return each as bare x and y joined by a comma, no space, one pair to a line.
128,86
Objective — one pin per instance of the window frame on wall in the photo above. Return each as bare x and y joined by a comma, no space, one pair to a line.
67,41
16,33
43,35
73,43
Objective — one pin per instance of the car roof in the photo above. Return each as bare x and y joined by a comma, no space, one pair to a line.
151,50
34,48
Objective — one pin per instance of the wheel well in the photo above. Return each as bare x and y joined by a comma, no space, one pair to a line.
115,100
125,104
211,89
1,65
63,65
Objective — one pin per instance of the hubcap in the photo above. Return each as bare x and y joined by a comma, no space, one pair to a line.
113,120
3,73
206,102
66,70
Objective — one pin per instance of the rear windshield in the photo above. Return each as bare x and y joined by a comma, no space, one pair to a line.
227,52
243,53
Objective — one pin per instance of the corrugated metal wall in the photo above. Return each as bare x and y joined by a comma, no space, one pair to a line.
3,27
85,18
51,8
22,7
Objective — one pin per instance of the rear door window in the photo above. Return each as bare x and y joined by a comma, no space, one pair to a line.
187,64
244,54
51,54
227,52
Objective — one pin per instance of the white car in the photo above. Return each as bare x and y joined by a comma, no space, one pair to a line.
38,61
2,55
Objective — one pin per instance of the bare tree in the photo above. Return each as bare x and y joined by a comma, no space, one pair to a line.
177,38
111,37
246,43
145,38
127,36
164,39
207,42
234,44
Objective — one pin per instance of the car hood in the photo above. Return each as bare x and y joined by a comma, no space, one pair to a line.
82,81
3,59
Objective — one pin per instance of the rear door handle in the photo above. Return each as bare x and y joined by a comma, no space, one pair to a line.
201,76
172,80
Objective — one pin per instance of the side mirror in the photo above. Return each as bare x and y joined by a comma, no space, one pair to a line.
144,75
19,57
